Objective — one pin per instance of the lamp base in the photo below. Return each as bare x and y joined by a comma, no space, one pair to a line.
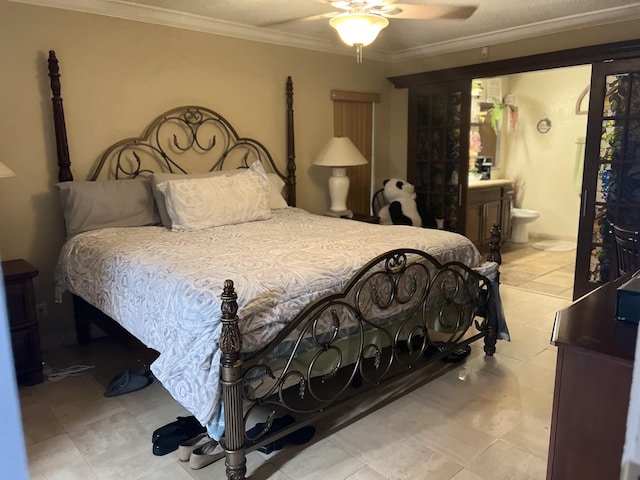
338,190
340,213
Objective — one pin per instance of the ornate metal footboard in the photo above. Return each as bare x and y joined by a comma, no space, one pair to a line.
402,311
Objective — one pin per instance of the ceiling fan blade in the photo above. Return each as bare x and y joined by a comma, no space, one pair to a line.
320,16
341,4
426,12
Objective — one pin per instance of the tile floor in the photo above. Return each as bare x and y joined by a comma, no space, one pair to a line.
540,271
487,419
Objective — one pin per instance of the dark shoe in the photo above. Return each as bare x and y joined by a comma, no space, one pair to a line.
253,434
170,442
298,437
168,438
186,424
129,381
458,354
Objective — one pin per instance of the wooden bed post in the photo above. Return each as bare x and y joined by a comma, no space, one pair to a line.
291,149
231,380
64,163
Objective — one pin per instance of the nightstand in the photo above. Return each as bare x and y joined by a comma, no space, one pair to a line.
23,320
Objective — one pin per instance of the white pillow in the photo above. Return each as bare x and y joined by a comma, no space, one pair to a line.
276,184
158,178
198,203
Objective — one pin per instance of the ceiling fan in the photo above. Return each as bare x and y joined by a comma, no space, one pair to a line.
360,21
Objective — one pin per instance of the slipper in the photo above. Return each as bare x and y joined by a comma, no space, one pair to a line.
129,381
458,353
298,437
169,438
205,455
253,434
185,424
185,448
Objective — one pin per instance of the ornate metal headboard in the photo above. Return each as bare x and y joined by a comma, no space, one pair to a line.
185,139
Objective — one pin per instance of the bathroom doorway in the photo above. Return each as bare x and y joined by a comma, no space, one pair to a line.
613,63
530,128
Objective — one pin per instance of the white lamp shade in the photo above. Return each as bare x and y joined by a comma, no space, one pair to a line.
6,171
358,28
340,152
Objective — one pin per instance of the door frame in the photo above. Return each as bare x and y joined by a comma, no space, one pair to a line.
599,75
542,61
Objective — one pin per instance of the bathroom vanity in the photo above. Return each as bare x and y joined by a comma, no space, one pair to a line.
488,203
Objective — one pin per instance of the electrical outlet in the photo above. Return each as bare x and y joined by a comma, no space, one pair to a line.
41,311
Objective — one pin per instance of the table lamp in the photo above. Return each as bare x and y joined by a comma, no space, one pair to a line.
6,171
339,153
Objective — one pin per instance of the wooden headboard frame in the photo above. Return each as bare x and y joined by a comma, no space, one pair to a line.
190,129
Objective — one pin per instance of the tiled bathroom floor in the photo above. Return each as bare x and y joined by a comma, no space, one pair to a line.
541,271
486,419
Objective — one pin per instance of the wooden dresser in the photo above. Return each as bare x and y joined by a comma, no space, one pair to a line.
593,384
23,320
488,203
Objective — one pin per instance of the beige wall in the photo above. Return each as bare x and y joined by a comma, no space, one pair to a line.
116,76
548,163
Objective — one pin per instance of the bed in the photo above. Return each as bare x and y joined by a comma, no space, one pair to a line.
255,307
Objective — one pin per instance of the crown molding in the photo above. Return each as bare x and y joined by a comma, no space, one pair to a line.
565,24
129,11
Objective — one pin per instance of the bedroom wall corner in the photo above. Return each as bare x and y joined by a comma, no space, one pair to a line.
397,164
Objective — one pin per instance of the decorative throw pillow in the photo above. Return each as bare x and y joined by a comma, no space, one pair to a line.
276,184
109,203
198,203
158,178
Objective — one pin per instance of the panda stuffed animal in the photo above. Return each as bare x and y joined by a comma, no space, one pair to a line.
401,208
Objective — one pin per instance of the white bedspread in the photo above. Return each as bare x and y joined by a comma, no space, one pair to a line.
164,287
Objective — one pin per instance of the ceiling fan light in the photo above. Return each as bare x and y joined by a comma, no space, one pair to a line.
358,28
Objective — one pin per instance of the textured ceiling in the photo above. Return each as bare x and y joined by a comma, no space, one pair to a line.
493,21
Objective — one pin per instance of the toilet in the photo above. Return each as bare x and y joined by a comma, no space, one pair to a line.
520,217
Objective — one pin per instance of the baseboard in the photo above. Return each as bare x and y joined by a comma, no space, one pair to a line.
533,237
